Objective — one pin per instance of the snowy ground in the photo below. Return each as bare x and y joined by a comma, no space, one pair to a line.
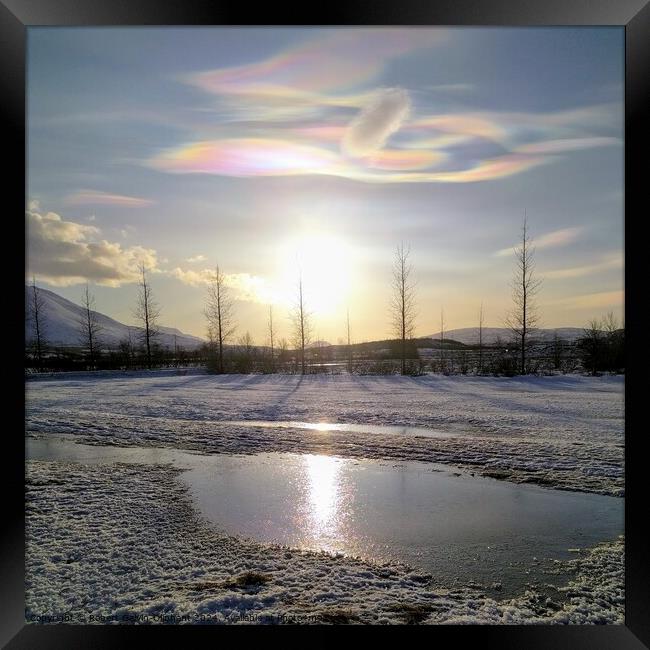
122,543
563,432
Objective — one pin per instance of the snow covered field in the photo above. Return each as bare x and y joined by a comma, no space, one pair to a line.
564,431
125,543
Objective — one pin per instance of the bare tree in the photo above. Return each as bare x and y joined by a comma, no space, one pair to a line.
246,352
219,311
301,321
614,340
402,305
591,344
480,339
556,351
349,349
610,323
89,326
524,317
212,343
271,338
146,313
38,318
283,347
442,340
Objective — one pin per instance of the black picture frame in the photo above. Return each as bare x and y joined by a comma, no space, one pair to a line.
17,15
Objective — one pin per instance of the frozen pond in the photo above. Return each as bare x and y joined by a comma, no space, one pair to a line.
458,527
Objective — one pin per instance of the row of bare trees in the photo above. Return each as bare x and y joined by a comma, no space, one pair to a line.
219,312
522,320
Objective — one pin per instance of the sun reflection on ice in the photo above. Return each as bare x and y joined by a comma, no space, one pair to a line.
325,494
322,426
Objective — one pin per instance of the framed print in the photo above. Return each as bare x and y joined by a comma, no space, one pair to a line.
329,321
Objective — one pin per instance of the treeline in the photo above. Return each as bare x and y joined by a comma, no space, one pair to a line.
69,358
600,350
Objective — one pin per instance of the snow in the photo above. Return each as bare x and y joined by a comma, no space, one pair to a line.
563,432
121,544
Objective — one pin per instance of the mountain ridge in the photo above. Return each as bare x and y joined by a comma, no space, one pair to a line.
469,335
61,325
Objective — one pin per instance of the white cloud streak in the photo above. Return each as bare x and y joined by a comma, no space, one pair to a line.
549,240
371,128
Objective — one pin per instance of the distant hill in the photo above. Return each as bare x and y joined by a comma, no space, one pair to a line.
319,344
61,317
469,335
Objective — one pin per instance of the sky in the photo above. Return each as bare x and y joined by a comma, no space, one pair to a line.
278,151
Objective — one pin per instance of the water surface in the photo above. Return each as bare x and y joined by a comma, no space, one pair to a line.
458,527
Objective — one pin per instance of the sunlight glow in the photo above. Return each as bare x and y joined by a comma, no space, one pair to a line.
325,263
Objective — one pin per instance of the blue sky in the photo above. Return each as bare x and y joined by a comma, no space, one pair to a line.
265,149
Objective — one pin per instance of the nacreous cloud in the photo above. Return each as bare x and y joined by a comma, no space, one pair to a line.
246,157
330,62
372,127
64,253
94,197
549,240
249,157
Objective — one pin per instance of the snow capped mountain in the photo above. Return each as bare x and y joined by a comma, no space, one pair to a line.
469,335
61,324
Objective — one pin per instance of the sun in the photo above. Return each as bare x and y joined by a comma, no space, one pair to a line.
324,262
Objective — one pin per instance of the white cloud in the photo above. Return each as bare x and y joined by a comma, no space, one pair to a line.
247,287
190,277
196,258
371,128
603,300
549,240
566,144
611,261
64,253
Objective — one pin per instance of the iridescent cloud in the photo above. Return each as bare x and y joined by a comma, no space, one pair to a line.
469,125
258,157
246,157
549,240
289,115
404,159
94,197
335,60
567,144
